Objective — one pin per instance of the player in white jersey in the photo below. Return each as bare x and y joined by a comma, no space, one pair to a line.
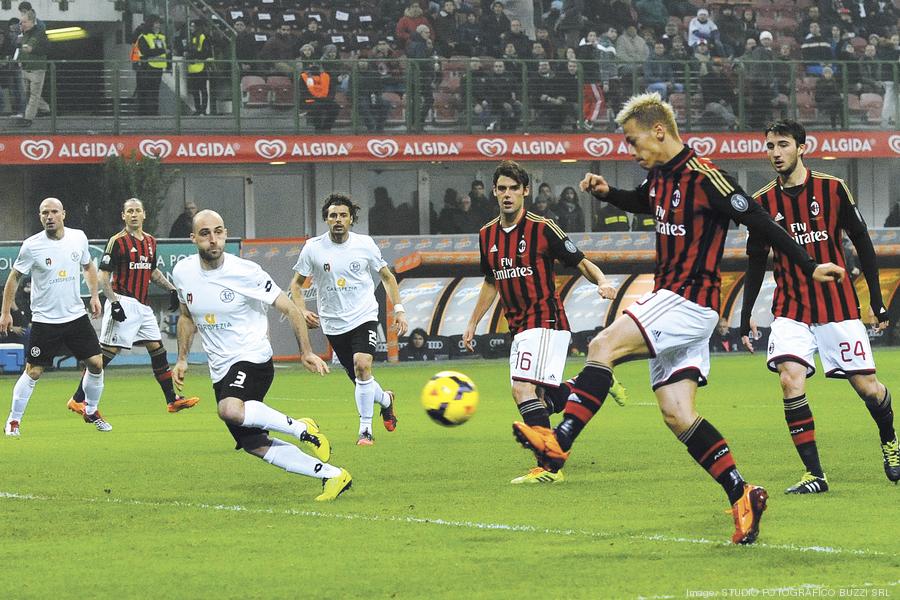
343,266
55,258
226,298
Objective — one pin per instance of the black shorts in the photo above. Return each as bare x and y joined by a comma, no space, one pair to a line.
362,339
49,340
245,381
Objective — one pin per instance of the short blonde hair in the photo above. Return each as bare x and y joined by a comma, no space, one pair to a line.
648,109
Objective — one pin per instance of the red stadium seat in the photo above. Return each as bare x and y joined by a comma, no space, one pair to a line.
282,91
254,91
871,103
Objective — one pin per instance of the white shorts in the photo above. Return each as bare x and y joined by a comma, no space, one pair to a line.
538,356
140,324
677,333
843,347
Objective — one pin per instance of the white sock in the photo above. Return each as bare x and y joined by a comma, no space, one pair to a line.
93,387
21,395
257,414
291,459
365,403
380,397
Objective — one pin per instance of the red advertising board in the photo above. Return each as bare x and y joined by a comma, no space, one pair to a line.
183,149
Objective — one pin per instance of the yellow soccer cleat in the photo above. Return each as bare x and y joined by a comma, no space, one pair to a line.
335,486
540,475
315,441
618,392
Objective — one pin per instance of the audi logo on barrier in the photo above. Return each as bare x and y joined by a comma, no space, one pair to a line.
491,147
270,149
37,149
382,148
703,146
462,346
155,148
598,147
497,342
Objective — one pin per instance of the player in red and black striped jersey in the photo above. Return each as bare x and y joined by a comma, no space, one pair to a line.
518,250
126,269
692,202
816,209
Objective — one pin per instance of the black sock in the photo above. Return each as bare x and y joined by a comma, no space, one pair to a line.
78,396
711,452
163,373
556,397
802,427
590,389
534,413
883,414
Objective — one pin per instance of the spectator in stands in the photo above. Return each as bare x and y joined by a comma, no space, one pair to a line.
516,36
500,106
471,42
671,32
762,87
719,98
182,226
652,13
571,22
588,53
198,54
622,15
868,75
829,99
658,72
23,8
632,51
383,216
815,50
372,105
749,30
607,57
893,218
317,91
305,57
541,208
312,35
889,50
568,210
446,29
649,35
10,74
412,18
153,50
679,53
643,223
481,204
608,217
723,339
21,314
812,16
702,28
542,37
245,47
845,20
280,49
552,98
731,32
416,347
457,215
881,17
537,53
545,192
33,49
835,40
511,56
494,24
750,44
701,59
421,47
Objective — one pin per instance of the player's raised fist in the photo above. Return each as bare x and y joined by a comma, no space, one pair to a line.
595,184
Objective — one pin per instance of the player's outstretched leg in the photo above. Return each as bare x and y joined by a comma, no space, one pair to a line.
163,374
802,427
262,416
882,412
335,480
93,389
386,399
21,395
76,402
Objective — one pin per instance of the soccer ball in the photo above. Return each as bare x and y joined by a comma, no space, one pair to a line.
450,398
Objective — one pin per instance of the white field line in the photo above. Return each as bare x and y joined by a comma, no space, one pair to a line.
448,523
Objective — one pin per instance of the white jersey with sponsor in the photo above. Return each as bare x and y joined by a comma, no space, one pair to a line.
229,306
344,276
55,267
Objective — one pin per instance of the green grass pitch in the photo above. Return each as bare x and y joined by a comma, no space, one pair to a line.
162,506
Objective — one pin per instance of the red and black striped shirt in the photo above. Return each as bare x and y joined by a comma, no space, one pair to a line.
131,262
815,214
693,202
519,263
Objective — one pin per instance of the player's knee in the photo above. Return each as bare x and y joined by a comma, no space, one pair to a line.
362,367
94,364
869,389
231,412
522,390
598,347
792,381
676,419
34,371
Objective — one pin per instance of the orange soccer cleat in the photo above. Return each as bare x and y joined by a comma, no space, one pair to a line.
747,512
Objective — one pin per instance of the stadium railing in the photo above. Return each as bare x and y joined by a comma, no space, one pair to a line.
446,95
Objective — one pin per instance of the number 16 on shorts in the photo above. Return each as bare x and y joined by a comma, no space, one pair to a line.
539,356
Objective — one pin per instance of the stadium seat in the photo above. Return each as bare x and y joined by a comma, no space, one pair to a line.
785,24
765,22
806,106
446,108
807,84
397,114
871,103
282,91
254,91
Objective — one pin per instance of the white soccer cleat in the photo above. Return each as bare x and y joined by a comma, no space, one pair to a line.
12,428
97,420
